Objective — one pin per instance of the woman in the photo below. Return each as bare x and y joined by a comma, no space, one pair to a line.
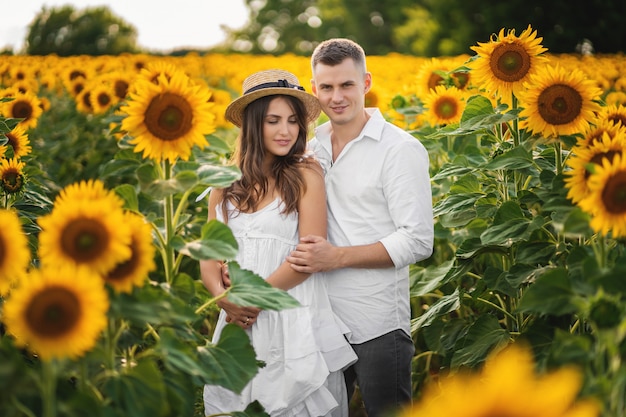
279,197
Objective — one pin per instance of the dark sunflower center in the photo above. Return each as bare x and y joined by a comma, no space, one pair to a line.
614,193
510,62
169,116
104,99
86,100
22,109
121,88
434,80
616,119
446,108
597,159
12,181
53,312
560,104
460,79
124,269
84,239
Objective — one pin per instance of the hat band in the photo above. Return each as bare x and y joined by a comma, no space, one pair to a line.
279,83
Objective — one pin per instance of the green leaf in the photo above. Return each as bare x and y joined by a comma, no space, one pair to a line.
455,202
138,392
217,175
516,158
483,335
428,279
254,409
505,234
249,289
473,247
216,242
551,293
129,195
442,306
232,362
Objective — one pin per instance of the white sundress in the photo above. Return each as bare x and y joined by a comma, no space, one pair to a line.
304,348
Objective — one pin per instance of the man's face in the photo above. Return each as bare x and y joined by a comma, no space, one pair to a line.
341,90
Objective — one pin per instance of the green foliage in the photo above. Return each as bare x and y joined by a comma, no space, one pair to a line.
66,31
515,259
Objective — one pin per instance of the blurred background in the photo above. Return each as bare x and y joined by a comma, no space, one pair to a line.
414,27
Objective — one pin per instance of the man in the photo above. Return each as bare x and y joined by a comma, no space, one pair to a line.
379,222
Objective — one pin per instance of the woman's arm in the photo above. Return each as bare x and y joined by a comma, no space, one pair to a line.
211,275
311,220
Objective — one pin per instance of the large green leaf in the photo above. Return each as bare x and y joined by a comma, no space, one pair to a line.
138,392
516,158
231,363
551,293
442,306
216,242
249,289
505,234
428,279
483,335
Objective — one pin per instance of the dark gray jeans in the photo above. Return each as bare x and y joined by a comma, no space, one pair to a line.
383,373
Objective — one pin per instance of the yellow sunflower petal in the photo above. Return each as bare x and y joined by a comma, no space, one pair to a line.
14,251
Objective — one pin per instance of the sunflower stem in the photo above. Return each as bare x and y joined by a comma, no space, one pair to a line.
49,388
212,301
558,161
168,260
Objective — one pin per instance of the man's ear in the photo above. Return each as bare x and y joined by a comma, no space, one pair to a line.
368,82
313,88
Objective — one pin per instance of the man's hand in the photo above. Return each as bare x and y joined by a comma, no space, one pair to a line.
314,254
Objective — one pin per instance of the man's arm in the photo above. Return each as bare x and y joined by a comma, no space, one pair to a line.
316,254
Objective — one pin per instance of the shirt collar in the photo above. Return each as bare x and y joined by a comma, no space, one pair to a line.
373,129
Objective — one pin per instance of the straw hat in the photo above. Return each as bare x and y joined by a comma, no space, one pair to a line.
270,82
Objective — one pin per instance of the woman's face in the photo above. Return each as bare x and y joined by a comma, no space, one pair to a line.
280,127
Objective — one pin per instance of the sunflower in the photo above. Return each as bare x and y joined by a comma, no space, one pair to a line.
558,101
18,139
84,231
134,271
102,98
596,131
57,312
25,106
14,251
445,105
606,201
430,75
616,98
584,155
167,119
506,62
12,175
614,113
506,386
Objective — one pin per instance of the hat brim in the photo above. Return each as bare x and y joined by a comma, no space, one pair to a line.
234,111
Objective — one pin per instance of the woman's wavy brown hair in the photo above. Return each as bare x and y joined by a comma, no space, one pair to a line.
249,155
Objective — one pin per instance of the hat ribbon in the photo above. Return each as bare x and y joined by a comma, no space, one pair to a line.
279,83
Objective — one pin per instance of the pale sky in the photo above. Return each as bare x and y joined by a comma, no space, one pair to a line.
162,25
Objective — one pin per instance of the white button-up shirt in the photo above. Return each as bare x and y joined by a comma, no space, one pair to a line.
378,189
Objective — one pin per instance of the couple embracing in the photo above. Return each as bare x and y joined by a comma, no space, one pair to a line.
336,222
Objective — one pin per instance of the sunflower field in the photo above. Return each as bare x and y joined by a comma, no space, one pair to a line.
106,163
